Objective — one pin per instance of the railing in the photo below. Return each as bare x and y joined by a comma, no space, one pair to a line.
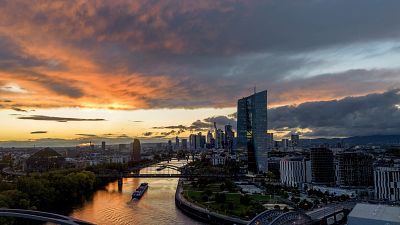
41,216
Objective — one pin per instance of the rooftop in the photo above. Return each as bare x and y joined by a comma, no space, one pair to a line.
376,212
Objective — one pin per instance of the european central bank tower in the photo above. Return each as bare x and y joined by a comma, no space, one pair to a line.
252,126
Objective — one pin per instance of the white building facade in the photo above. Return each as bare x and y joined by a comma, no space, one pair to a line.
387,183
295,171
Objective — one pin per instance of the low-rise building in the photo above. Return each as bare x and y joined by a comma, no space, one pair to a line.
368,214
44,160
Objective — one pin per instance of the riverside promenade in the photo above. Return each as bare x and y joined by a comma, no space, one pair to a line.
202,214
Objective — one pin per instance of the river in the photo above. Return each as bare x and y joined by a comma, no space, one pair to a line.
112,206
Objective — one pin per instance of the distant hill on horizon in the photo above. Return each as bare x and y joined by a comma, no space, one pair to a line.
356,140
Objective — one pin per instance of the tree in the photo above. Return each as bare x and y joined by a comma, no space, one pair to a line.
295,200
245,199
306,205
220,197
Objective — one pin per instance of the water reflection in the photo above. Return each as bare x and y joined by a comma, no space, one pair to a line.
114,205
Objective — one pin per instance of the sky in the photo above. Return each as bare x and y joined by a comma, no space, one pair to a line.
78,71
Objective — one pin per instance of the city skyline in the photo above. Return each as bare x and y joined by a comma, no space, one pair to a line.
170,67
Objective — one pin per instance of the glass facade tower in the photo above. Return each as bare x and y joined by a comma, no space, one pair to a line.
252,129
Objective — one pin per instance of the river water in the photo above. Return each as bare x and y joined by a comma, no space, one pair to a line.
113,206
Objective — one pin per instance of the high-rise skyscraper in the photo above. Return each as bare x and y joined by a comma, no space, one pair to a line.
103,145
136,150
177,142
252,129
229,136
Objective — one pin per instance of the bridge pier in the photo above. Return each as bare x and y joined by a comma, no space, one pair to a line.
119,184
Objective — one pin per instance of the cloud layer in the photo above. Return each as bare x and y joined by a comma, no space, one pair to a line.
190,54
55,118
373,114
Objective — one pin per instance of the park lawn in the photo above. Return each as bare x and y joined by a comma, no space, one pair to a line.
214,187
231,206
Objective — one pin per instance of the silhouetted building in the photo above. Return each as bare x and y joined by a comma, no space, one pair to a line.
252,129
44,160
177,142
270,141
229,137
356,169
294,140
197,141
136,150
184,144
103,145
322,167
285,143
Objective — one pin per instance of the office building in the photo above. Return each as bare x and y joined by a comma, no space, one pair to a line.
184,144
294,140
136,150
229,137
387,183
197,141
103,145
270,141
295,171
252,129
355,169
209,138
322,167
176,142
285,143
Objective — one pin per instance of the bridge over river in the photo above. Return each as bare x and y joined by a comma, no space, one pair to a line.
167,169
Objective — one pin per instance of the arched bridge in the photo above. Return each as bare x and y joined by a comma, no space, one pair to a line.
41,216
280,217
266,217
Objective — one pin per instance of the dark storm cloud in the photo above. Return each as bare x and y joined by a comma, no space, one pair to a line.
39,132
364,115
54,118
230,27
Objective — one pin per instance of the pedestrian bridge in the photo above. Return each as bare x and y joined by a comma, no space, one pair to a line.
331,214
280,217
41,216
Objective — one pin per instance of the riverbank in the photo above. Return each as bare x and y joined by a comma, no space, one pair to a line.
200,213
